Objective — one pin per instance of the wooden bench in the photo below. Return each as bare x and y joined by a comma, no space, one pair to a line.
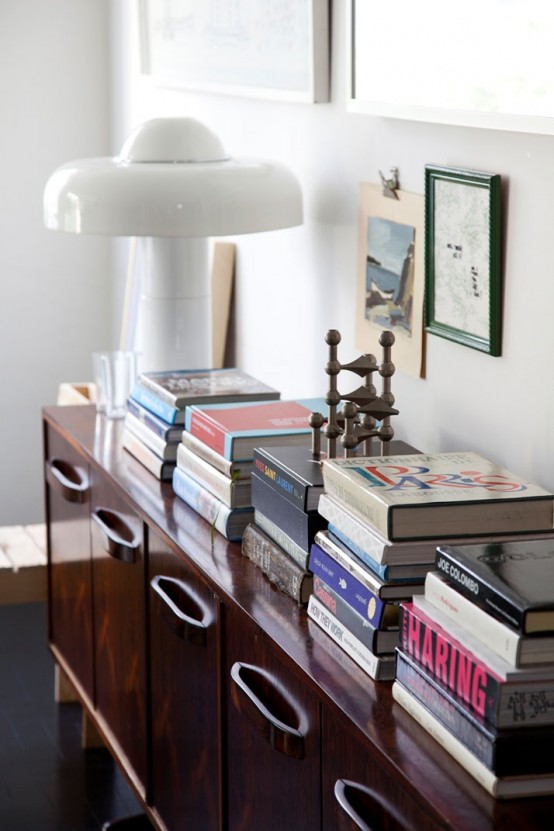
22,563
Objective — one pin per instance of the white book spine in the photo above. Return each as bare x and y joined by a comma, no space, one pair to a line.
221,486
365,659
502,640
360,499
508,787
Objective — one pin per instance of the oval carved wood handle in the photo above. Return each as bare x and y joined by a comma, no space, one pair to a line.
353,798
280,736
182,610
70,481
121,543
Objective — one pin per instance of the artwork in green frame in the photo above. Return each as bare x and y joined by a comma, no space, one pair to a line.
463,272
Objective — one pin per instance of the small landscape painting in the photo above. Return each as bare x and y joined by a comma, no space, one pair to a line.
391,275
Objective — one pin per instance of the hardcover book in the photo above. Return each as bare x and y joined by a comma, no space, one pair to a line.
200,387
379,641
514,647
276,564
230,522
403,590
196,386
512,580
167,432
300,526
236,470
500,787
378,667
497,692
360,533
299,554
293,472
160,468
439,495
234,430
378,612
505,752
236,493
160,446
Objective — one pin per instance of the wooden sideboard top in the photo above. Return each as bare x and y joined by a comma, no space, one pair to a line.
404,749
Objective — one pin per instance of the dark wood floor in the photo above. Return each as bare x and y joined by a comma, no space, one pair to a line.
47,782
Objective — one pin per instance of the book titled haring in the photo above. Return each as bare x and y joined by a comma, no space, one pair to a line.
426,496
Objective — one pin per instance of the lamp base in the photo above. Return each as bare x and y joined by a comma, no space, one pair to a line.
174,328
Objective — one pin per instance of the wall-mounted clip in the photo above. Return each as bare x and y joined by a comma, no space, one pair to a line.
390,185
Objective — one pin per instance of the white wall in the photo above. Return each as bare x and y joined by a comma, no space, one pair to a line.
55,297
293,285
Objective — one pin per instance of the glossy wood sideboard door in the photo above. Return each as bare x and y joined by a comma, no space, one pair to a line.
69,573
272,750
184,678
119,589
359,793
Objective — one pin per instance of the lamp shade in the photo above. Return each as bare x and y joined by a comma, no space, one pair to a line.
172,179
173,186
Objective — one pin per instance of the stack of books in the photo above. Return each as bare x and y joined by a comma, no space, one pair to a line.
156,409
286,486
386,517
215,456
476,663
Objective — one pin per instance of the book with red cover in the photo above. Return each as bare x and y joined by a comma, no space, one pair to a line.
234,430
501,694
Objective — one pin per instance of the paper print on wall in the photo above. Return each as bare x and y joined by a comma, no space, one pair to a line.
390,275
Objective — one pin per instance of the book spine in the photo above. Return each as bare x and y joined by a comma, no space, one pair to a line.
506,752
281,480
360,499
354,529
484,595
162,429
480,772
449,712
498,637
376,640
158,467
301,527
299,555
160,392
446,659
205,430
276,564
372,664
234,494
348,563
240,470
379,569
203,502
156,444
151,401
345,585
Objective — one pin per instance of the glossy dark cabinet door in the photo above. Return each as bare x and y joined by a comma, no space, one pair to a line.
120,628
69,573
184,655
272,746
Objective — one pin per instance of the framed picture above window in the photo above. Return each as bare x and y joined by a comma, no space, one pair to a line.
255,48
463,257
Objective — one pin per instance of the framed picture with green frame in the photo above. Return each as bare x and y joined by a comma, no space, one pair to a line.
463,269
